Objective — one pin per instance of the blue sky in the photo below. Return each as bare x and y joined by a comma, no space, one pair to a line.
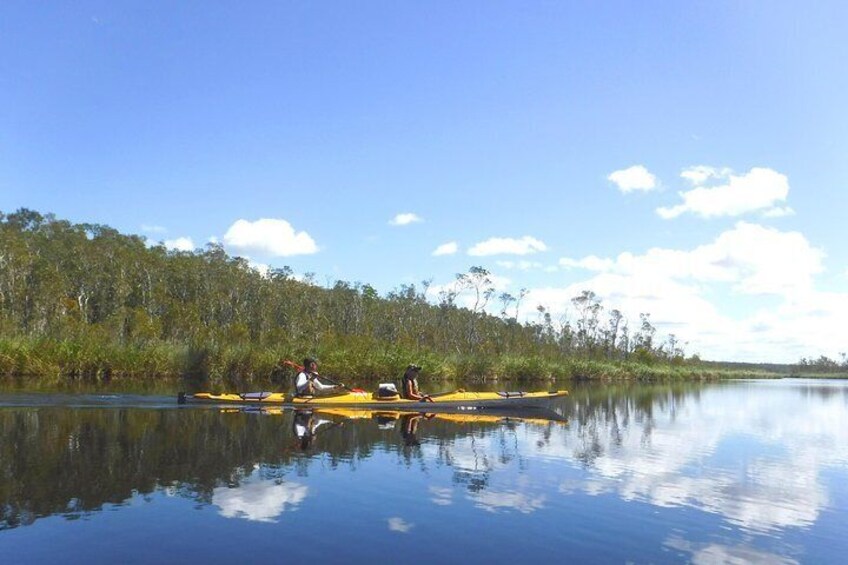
682,159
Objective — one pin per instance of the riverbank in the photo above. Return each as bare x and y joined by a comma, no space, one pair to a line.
357,363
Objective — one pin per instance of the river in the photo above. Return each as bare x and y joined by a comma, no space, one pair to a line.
742,471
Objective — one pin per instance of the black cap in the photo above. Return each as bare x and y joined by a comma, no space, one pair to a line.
307,362
414,367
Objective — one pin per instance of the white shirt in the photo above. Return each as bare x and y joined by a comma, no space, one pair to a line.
303,380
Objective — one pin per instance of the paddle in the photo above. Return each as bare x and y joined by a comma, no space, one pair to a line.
329,380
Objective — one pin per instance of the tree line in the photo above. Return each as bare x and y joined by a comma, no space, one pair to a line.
84,298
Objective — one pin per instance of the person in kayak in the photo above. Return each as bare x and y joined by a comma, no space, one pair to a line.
307,383
409,385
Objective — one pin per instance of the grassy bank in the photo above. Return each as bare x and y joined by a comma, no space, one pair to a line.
354,361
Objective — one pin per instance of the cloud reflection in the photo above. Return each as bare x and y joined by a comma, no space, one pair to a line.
441,496
708,553
260,501
400,525
756,460
495,501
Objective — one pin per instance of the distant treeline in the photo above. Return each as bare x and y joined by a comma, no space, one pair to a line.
781,369
823,365
86,300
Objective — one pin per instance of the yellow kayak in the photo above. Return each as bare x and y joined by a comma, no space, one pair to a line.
458,400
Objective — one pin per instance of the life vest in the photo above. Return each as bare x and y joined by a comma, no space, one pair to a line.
305,391
403,385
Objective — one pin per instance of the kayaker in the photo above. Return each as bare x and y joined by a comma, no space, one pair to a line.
307,383
409,385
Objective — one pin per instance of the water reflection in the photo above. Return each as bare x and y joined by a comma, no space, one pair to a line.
764,453
441,496
703,553
494,501
70,462
727,471
409,429
306,425
397,524
259,500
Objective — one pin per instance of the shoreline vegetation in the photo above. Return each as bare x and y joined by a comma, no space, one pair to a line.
83,301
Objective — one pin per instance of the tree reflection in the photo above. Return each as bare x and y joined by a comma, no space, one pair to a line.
666,445
69,462
603,413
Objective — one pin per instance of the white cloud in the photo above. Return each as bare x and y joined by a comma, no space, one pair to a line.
590,263
259,501
766,261
405,219
633,178
504,245
756,259
269,236
180,244
678,288
446,249
499,283
520,265
805,326
700,174
759,189
399,525
262,268
779,212
152,228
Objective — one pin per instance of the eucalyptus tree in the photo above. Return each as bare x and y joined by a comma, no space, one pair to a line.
478,281
588,307
611,333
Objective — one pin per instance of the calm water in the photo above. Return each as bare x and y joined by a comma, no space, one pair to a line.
736,472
